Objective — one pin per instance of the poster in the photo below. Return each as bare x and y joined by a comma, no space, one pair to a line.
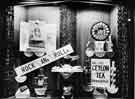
37,36
100,72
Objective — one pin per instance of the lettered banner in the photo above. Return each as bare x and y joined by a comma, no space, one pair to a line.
44,60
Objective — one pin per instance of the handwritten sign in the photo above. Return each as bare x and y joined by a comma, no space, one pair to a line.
100,72
44,60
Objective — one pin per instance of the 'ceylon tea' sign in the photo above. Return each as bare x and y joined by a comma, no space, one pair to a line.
100,72
42,61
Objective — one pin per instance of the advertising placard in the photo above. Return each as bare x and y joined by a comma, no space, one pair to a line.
100,72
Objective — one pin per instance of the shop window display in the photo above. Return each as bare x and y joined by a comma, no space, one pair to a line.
88,67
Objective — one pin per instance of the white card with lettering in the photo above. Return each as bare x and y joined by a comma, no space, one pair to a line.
100,72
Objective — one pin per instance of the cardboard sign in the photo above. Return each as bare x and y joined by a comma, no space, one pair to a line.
44,60
100,72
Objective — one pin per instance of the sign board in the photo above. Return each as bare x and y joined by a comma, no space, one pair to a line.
100,72
44,60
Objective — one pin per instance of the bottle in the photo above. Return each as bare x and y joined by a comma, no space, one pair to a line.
110,45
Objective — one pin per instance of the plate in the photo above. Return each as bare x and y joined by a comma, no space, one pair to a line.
39,54
21,79
28,54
